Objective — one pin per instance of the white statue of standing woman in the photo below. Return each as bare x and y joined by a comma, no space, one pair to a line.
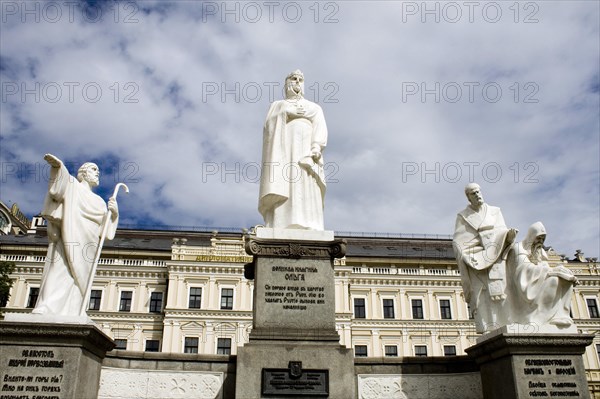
76,217
292,187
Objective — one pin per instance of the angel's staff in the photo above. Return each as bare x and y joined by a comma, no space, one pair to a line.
84,303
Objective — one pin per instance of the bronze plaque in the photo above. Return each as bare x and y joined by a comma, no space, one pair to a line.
294,381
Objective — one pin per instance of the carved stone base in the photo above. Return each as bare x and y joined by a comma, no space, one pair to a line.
294,348
293,234
51,360
294,289
515,366
267,370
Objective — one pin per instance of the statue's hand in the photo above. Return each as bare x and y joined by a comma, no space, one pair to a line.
113,207
563,273
52,160
316,155
469,261
512,234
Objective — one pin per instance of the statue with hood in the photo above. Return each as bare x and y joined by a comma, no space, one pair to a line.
540,293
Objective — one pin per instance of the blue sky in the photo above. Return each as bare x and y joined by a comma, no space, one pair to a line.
420,99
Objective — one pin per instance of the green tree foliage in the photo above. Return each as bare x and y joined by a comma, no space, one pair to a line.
6,268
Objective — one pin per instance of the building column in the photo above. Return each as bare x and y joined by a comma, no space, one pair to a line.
212,294
248,290
431,306
112,297
140,294
374,305
209,342
173,295
376,344
19,293
346,296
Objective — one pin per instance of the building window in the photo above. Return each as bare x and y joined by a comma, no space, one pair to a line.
388,309
156,302
95,298
121,344
359,308
420,350
445,311
391,350
190,345
449,350
360,350
195,298
33,296
227,298
598,351
152,345
593,308
224,346
417,308
125,305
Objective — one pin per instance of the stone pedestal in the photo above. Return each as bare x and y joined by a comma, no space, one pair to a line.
515,366
51,360
294,348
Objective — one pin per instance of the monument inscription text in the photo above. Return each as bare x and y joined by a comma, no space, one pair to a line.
282,382
550,378
35,374
293,296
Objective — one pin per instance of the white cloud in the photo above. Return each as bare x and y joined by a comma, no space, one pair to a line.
182,138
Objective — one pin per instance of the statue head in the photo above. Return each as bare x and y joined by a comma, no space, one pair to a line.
90,173
534,242
294,85
473,193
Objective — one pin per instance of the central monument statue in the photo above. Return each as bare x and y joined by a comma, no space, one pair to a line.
292,187
294,348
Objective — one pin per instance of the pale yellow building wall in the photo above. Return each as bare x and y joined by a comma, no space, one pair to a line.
396,279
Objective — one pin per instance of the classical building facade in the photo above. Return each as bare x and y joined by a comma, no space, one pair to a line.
185,292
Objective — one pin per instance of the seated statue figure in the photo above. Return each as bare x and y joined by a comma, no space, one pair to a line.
540,294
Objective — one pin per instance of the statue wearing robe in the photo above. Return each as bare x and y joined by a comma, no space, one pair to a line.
292,188
481,240
75,217
541,294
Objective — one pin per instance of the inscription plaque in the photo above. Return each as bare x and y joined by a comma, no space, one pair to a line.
294,381
550,377
33,373
50,360
295,295
515,366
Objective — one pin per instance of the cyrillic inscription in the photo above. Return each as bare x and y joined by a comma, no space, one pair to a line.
294,297
281,383
27,377
545,375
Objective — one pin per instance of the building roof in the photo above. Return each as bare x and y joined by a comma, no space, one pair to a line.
162,240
